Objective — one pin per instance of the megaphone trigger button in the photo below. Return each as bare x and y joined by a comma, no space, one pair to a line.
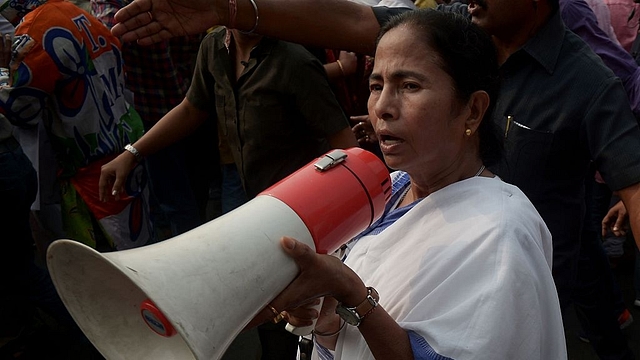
330,160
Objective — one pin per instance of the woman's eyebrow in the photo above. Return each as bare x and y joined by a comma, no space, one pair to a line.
400,74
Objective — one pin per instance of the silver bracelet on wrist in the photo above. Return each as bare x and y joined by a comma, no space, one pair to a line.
255,25
342,324
134,151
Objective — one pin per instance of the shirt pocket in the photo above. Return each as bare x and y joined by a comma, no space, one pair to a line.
527,152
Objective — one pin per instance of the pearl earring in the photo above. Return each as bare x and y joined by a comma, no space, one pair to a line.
468,132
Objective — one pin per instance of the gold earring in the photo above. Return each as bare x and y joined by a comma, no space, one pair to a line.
468,132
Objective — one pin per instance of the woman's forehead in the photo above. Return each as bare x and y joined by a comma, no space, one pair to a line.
401,47
404,37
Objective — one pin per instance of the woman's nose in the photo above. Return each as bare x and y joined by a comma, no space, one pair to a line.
385,105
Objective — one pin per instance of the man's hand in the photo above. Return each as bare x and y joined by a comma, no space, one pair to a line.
363,130
152,21
615,220
349,62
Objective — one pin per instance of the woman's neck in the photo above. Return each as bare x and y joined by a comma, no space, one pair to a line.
418,189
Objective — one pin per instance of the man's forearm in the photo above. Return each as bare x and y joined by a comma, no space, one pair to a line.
176,125
335,24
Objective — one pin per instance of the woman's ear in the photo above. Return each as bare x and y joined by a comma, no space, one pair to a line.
478,104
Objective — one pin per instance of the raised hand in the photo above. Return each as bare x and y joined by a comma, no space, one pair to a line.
151,21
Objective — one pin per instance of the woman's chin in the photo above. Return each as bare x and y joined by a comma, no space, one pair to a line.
392,161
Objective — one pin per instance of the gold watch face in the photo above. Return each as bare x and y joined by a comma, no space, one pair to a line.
349,315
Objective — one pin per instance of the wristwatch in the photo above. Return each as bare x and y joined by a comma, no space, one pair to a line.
134,151
355,315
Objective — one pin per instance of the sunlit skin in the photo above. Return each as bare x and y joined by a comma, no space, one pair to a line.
419,120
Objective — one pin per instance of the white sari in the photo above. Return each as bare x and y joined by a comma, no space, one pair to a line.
468,269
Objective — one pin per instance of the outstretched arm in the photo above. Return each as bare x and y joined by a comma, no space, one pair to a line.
334,24
177,124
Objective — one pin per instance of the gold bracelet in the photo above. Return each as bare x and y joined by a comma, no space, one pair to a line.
341,68
278,314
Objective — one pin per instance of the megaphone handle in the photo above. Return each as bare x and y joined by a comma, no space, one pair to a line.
305,330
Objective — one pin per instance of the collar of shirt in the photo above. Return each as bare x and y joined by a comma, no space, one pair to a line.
546,44
261,50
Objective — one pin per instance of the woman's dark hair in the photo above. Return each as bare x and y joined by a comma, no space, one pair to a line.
468,56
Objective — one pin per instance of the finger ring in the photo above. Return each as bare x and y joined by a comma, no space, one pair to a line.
278,315
361,123
278,318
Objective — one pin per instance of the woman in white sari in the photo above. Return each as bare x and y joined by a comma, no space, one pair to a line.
459,266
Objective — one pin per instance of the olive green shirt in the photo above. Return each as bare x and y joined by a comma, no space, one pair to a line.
278,115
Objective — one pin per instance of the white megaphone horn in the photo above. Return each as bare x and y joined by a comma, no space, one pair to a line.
189,297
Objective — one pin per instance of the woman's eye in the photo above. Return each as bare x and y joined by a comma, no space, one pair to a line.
411,86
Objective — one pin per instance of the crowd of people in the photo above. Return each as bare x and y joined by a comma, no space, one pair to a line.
510,128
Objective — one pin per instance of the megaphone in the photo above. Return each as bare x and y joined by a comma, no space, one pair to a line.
189,297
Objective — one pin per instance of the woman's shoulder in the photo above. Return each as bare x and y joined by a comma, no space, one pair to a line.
511,200
494,198
518,215
513,196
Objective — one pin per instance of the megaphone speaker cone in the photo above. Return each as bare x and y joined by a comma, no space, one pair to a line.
189,296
